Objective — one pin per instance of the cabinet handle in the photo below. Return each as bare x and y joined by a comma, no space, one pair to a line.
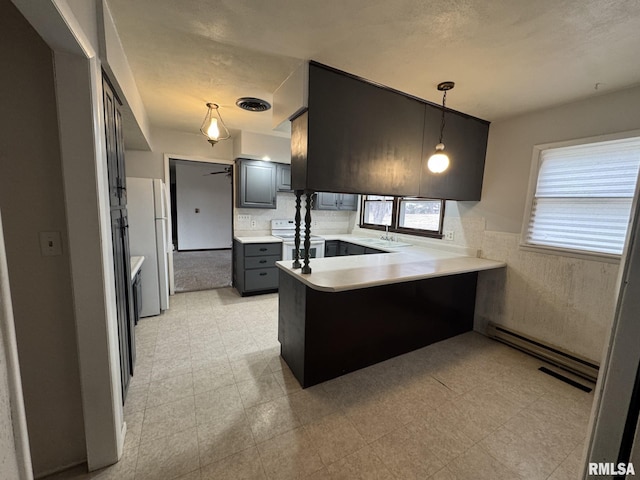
263,249
262,261
262,274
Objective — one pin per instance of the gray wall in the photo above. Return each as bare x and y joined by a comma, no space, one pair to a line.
562,300
31,199
210,227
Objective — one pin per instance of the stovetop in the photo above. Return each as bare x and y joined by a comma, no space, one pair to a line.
285,229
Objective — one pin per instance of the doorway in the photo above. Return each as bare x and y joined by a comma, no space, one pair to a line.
202,224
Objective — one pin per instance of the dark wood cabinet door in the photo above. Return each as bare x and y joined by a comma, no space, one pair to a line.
111,143
465,140
257,184
361,138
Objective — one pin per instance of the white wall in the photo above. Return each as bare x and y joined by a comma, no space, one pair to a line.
32,201
210,226
150,164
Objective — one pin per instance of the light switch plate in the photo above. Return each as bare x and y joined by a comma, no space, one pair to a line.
50,244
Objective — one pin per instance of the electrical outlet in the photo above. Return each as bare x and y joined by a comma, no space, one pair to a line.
448,235
253,224
244,218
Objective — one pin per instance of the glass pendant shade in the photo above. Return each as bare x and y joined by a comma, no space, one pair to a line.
213,126
439,161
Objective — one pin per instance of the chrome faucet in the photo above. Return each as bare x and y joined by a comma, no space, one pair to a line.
386,235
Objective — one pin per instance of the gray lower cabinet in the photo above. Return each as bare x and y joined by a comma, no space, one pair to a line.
338,248
335,201
256,184
254,267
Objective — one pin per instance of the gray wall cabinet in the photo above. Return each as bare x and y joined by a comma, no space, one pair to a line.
256,184
283,172
335,201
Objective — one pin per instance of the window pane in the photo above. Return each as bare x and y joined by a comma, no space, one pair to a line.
583,196
420,214
378,213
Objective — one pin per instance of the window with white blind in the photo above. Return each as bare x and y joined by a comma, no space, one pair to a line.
582,197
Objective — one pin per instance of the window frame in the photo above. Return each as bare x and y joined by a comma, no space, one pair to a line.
395,209
536,162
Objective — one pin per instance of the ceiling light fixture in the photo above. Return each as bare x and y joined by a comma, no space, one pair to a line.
439,161
213,126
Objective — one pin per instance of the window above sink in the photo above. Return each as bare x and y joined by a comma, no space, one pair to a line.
411,215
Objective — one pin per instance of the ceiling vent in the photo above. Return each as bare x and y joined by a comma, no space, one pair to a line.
253,104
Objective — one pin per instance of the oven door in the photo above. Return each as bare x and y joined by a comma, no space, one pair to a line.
316,249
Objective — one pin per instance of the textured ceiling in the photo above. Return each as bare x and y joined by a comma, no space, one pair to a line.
506,57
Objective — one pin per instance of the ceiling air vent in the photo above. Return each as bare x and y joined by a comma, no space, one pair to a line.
253,104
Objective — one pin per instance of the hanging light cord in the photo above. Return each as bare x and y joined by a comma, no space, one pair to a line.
444,101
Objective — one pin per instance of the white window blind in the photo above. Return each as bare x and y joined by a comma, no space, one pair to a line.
583,196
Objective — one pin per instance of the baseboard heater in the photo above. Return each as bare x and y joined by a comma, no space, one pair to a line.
567,361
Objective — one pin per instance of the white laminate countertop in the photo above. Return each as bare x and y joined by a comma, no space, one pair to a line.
136,263
404,264
260,239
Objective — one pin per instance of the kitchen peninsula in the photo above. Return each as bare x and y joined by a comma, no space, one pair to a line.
352,312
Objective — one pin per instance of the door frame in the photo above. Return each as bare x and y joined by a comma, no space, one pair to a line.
167,178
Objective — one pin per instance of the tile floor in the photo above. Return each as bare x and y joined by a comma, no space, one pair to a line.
211,399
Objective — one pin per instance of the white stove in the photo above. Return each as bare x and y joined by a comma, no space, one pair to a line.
285,229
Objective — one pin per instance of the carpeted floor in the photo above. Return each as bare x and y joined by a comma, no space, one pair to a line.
202,270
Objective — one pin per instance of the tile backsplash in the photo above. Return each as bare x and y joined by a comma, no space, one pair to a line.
323,221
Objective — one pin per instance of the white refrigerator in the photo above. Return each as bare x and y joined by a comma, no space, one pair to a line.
148,216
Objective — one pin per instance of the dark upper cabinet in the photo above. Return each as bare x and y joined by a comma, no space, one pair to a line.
256,184
283,178
465,140
359,137
356,137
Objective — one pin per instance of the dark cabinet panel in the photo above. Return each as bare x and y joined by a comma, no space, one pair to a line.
465,140
361,138
331,248
283,173
256,184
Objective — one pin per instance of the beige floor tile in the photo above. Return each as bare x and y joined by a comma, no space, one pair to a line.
272,418
289,456
334,437
532,461
217,442
195,475
136,399
287,381
168,457
134,430
169,390
249,367
571,467
245,465
441,436
259,390
312,403
406,456
361,465
168,418
171,367
373,419
141,375
444,474
221,405
477,464
213,377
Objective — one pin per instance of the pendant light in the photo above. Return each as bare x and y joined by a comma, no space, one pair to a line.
439,161
213,126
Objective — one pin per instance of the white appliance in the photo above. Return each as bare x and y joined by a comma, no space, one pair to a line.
285,229
147,208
